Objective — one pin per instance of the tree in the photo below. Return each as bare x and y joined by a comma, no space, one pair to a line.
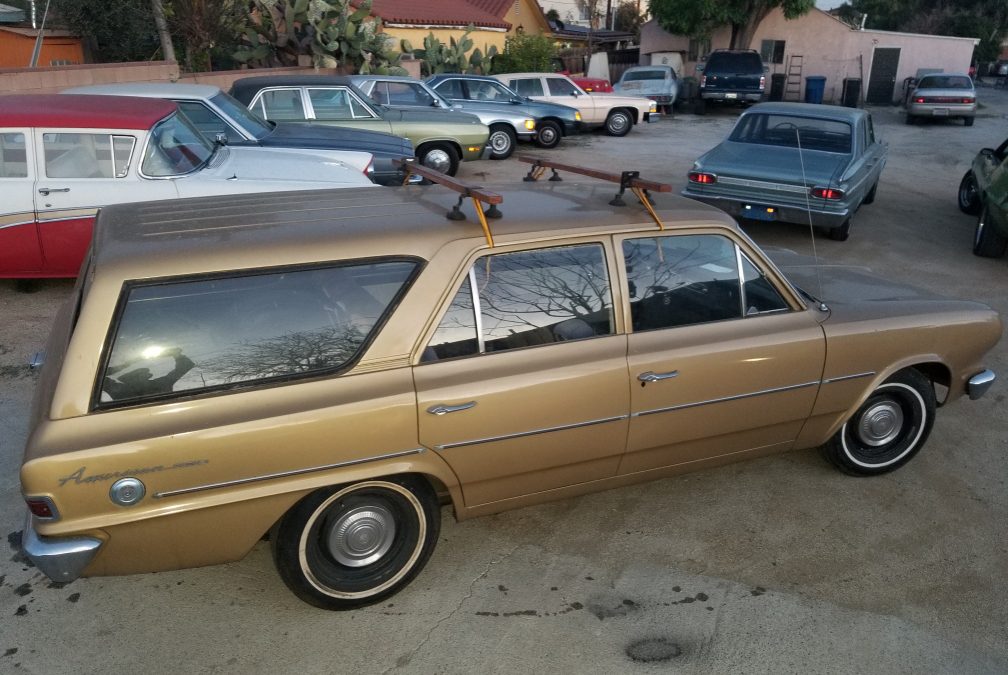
112,31
627,18
524,53
699,18
203,25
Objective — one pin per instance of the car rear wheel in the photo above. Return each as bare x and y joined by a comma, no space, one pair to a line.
548,135
841,233
969,195
889,427
502,141
354,545
987,243
618,123
439,156
968,121
870,197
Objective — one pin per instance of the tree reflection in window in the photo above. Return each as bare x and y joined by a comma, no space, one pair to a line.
213,333
528,298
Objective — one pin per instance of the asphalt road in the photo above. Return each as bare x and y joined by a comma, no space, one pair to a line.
774,565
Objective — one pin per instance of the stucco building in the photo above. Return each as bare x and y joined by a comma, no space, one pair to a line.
818,43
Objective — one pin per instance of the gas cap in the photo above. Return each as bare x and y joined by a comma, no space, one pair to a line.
127,491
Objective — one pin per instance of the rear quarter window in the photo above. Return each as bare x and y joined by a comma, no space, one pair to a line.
208,334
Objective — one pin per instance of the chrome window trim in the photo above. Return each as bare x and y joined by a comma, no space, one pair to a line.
309,107
741,278
129,160
17,224
737,397
532,432
286,474
477,310
143,154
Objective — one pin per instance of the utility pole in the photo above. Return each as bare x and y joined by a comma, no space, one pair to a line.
162,28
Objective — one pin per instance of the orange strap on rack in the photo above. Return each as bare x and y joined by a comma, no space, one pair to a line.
478,195
627,180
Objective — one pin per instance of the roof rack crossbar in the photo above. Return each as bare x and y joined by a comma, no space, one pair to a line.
627,179
478,195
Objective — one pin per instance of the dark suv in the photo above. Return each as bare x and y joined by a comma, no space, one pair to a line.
731,75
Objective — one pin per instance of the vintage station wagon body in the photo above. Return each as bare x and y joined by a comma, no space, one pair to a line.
323,368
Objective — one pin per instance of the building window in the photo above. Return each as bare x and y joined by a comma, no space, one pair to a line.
772,51
699,48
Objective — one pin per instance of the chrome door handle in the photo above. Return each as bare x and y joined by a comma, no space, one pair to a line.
442,409
651,376
44,191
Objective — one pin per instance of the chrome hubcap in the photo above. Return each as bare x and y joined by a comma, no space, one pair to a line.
880,424
361,536
437,159
617,122
499,141
547,135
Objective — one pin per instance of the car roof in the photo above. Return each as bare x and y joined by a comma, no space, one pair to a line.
151,89
79,111
501,75
390,78
247,87
213,234
830,112
461,76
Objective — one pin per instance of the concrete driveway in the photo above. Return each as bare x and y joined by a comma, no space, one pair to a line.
774,565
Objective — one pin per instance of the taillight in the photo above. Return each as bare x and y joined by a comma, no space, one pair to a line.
969,100
762,82
369,169
827,193
920,99
702,178
703,80
42,507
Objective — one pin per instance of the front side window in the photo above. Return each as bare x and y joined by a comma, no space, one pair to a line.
526,299
482,90
558,86
693,279
808,133
450,88
243,117
208,122
87,155
527,86
175,147
406,94
210,334
13,155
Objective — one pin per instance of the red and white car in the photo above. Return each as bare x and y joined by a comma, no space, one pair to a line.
62,157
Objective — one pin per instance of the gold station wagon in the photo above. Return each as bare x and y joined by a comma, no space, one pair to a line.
328,370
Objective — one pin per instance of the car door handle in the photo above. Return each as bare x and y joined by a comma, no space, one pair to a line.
651,376
44,191
442,409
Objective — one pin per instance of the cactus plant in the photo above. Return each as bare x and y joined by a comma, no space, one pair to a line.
437,57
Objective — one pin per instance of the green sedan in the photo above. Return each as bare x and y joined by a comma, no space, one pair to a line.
983,192
442,138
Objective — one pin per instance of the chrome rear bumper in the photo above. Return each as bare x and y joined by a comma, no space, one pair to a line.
980,383
59,558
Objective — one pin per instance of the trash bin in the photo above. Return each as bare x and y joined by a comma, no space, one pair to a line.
777,82
815,86
851,92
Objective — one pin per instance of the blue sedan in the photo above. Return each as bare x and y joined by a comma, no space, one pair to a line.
793,162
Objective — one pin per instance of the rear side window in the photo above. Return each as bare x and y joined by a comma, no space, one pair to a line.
280,104
525,299
210,334
13,156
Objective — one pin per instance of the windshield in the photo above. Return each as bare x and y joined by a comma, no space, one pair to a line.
945,82
242,116
175,147
792,131
637,75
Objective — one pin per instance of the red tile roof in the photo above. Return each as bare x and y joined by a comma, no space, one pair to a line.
80,111
442,12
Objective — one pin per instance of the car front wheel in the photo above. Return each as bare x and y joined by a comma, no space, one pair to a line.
969,195
354,545
889,427
987,243
618,123
548,135
502,141
439,156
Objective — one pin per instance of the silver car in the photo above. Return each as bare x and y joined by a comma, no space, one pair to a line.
657,83
506,126
942,95
793,162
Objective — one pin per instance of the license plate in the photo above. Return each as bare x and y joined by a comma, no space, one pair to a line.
759,212
731,95
940,112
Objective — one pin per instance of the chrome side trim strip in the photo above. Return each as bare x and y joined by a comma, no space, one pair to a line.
727,398
477,310
534,432
848,377
285,474
17,224
765,185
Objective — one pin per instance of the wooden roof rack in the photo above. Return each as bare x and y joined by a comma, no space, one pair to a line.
478,195
626,179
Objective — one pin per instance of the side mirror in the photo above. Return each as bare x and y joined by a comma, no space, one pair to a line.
517,100
220,138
